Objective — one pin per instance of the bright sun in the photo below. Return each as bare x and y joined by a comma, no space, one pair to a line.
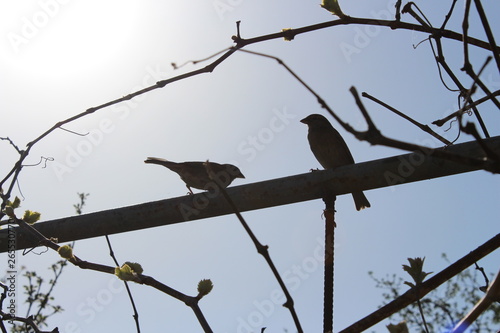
58,38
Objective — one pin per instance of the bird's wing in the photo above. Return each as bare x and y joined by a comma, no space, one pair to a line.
329,148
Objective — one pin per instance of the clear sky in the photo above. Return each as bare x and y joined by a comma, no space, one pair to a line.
61,57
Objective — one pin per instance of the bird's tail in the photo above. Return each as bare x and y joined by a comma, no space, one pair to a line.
160,161
360,200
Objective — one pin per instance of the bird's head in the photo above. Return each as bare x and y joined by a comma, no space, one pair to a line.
233,171
315,120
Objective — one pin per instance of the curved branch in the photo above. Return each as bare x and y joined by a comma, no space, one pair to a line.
14,172
190,301
347,20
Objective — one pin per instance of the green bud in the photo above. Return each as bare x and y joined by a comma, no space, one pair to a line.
333,7
31,217
9,211
204,287
128,271
65,251
14,204
136,267
124,273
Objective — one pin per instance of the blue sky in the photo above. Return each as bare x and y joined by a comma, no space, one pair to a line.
61,57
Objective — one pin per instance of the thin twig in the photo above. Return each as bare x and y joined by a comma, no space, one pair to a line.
30,322
282,63
441,60
486,280
441,122
448,16
11,143
136,313
374,136
42,158
191,301
397,5
477,81
487,30
421,311
423,127
73,132
261,249
368,118
423,21
465,29
492,295
194,62
438,60
485,89
53,282
464,92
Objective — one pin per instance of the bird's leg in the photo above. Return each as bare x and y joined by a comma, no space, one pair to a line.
190,191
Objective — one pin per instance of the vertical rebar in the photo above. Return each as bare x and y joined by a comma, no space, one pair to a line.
329,213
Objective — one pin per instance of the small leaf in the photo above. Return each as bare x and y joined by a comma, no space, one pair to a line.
204,287
125,273
411,285
416,271
333,7
65,251
128,271
398,328
14,204
9,211
31,217
136,267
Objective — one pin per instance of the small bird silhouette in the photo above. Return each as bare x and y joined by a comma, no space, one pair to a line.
195,174
330,149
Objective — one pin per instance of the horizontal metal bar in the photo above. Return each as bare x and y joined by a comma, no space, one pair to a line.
380,173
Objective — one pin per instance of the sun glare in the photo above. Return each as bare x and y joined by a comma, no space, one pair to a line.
58,38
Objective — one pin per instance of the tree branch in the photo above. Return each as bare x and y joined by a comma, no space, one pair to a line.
263,250
410,296
348,20
487,30
423,127
190,301
492,295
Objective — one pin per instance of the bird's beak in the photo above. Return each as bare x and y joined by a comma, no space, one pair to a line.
304,121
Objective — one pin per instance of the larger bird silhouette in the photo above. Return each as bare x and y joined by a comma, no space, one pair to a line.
330,149
195,174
